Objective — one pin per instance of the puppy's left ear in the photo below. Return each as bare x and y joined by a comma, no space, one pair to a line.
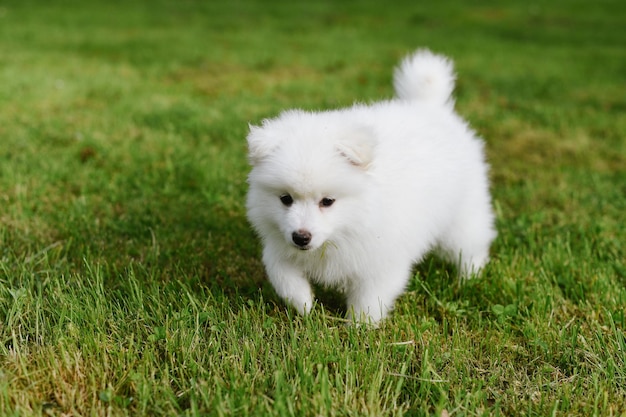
358,146
260,143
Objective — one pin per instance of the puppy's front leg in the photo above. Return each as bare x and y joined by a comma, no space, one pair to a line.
365,306
372,297
289,283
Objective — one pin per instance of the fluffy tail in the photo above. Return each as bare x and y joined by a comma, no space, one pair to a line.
424,76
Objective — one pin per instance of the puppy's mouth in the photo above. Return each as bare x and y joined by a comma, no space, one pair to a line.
321,250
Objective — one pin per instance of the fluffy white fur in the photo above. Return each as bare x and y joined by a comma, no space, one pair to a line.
352,198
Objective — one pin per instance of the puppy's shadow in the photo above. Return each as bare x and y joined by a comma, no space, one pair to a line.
333,301
196,236
435,272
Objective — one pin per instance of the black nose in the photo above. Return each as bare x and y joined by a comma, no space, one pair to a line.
301,237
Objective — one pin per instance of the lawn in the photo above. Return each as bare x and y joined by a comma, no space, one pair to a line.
131,283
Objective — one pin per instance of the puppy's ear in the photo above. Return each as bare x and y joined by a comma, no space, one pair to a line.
260,143
358,146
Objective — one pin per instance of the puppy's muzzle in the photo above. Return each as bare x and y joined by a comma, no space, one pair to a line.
301,238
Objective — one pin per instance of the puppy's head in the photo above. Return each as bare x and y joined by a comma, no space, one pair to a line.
309,176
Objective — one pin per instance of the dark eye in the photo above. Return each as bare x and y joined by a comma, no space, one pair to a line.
327,202
286,199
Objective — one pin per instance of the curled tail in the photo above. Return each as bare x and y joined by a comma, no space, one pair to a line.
424,76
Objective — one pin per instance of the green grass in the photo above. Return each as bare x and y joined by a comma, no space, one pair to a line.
130,281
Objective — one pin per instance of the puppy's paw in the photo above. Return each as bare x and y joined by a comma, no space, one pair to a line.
295,291
363,318
301,301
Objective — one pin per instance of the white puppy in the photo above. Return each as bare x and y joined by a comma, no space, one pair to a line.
352,198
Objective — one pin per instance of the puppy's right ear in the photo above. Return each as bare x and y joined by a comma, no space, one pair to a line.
358,146
260,143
